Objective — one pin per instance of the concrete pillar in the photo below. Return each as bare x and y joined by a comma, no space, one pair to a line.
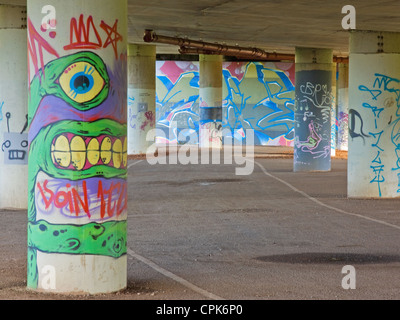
343,106
210,94
374,115
313,101
77,58
13,108
141,96
334,110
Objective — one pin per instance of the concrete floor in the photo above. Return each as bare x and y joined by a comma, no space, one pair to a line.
202,232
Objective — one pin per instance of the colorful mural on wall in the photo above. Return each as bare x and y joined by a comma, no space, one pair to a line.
258,96
177,100
77,143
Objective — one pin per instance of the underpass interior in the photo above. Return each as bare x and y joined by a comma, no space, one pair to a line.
198,230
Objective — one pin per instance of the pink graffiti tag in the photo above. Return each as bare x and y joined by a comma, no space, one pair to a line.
149,120
36,44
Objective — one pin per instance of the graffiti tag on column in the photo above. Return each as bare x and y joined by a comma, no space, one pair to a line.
55,197
313,140
131,116
15,145
382,87
36,45
319,96
80,35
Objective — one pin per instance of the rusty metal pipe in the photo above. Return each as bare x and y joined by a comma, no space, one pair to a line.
188,46
267,56
151,36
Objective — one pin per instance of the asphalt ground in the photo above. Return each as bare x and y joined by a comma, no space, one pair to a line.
201,232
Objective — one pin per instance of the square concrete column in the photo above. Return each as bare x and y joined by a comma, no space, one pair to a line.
343,106
141,96
77,59
13,108
374,115
334,110
313,104
210,96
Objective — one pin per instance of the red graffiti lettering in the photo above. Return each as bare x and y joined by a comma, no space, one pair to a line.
107,203
86,36
112,36
47,202
61,199
84,204
80,35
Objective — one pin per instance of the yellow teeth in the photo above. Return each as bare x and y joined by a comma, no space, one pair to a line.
125,154
106,150
61,153
93,151
80,153
117,153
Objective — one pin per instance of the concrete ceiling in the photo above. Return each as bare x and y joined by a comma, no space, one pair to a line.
272,25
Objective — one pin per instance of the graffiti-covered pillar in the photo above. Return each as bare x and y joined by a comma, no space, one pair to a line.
334,110
77,98
343,106
141,96
210,92
374,115
313,102
13,108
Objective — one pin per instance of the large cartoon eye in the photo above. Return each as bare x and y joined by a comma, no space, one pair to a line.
81,82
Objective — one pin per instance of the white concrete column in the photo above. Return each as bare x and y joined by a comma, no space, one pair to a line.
141,96
77,111
374,115
343,106
210,95
313,104
13,108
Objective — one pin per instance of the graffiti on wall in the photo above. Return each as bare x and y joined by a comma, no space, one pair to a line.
177,100
258,96
77,145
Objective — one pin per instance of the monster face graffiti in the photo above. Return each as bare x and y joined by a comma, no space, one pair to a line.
78,161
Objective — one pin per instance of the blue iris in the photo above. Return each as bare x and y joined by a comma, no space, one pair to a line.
81,83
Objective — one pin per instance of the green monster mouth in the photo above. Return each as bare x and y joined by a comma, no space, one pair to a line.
89,148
